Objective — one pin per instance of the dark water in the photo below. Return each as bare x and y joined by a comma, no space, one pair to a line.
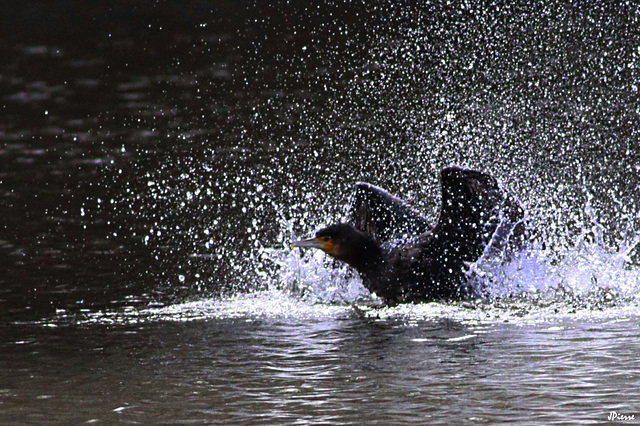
331,369
156,159
338,368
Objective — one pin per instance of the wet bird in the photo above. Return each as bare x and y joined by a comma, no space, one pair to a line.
401,258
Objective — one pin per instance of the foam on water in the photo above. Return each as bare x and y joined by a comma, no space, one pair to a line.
254,306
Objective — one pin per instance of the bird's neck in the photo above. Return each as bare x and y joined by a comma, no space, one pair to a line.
367,257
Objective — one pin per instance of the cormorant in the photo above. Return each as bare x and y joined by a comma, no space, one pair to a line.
402,259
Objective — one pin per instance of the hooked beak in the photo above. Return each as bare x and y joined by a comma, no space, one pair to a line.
311,242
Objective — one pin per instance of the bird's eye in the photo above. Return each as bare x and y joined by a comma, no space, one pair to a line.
326,238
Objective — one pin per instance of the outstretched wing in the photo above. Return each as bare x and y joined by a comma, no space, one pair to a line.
476,213
384,216
512,231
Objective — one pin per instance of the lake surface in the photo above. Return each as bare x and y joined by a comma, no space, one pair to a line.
156,161
297,364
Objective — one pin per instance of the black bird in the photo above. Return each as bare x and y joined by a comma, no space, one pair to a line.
402,259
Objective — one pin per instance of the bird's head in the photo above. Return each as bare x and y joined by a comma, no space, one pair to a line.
345,243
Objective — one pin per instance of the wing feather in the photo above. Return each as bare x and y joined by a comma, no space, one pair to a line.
385,217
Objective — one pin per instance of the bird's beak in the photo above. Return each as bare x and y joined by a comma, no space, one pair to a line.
311,242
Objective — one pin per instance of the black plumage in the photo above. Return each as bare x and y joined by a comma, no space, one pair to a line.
402,259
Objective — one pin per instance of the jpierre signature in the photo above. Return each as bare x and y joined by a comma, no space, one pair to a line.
621,417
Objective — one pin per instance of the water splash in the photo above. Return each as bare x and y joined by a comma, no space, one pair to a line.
543,284
418,89
585,271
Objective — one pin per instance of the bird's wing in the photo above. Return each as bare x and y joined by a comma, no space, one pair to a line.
476,212
385,217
